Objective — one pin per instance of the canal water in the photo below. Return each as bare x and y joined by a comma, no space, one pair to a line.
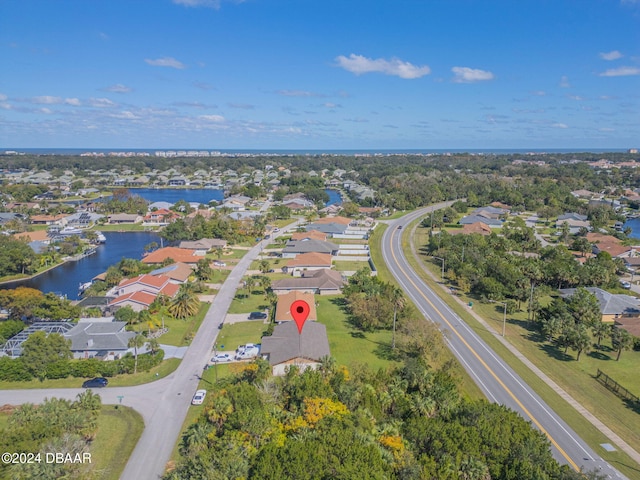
634,225
66,278
173,195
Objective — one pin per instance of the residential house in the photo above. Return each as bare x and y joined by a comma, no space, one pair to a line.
9,216
480,228
48,219
153,284
309,235
124,218
177,273
101,338
494,213
173,253
287,348
294,248
138,301
319,282
610,244
612,306
283,307
308,262
575,221
490,222
203,245
161,216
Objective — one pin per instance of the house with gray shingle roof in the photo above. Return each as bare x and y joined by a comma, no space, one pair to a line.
101,338
294,248
286,347
612,306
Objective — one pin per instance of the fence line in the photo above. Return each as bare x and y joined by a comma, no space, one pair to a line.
615,387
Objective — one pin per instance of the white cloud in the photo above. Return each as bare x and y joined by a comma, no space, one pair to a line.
358,64
198,3
51,100
165,62
564,82
212,118
612,55
621,72
118,88
560,125
606,129
125,114
297,93
470,75
47,100
100,102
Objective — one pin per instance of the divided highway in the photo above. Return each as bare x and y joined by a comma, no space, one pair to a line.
495,378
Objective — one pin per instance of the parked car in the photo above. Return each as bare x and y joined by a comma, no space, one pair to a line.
257,316
626,285
399,227
250,350
218,263
221,357
98,382
198,398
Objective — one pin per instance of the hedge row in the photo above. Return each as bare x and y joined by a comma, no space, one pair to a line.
15,370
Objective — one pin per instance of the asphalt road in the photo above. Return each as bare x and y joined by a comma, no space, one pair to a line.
165,402
493,376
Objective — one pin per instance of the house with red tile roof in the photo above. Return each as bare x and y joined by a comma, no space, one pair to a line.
308,261
176,254
153,284
283,308
138,301
310,235
161,216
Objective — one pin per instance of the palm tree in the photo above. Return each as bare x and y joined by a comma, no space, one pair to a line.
136,342
185,303
398,300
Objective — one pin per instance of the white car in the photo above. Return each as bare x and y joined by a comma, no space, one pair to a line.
198,398
218,263
248,351
221,357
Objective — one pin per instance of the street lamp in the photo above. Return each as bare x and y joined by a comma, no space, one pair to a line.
442,260
504,315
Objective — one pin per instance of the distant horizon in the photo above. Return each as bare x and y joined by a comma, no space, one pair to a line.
102,150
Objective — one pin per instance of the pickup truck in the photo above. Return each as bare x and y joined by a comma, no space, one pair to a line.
248,351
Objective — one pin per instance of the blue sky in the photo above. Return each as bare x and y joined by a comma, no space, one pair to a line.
320,74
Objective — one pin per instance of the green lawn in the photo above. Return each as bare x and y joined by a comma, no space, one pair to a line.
119,429
576,378
348,345
246,301
182,331
351,266
240,333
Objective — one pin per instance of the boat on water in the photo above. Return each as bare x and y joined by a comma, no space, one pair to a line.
68,231
100,238
83,287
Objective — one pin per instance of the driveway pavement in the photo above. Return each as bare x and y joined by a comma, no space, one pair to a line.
164,403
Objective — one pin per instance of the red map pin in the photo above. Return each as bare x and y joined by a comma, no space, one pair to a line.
300,311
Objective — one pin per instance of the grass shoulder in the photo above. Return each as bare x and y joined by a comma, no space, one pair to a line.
119,429
576,378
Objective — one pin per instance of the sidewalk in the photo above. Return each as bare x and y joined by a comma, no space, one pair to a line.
615,439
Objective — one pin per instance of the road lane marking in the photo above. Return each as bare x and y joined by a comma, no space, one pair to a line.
482,362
